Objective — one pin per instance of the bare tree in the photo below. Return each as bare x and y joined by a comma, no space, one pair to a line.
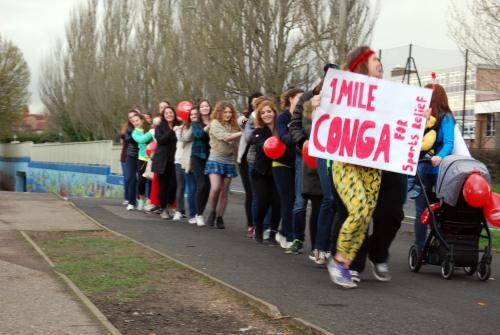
122,54
477,28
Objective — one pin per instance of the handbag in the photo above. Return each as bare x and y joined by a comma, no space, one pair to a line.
148,174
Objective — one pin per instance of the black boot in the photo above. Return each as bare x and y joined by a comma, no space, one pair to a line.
211,219
258,234
220,223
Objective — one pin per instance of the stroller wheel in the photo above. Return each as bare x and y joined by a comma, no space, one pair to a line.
414,258
484,271
469,270
447,269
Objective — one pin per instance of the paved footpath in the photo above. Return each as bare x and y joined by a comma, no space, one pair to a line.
411,303
33,299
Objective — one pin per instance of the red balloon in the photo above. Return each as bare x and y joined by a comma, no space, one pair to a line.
491,210
476,190
183,109
151,148
308,160
274,148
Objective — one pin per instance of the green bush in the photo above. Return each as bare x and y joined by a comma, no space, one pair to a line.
490,157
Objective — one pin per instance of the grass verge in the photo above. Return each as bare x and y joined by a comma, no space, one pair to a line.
142,292
105,266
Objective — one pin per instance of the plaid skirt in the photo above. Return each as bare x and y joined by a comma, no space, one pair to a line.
225,170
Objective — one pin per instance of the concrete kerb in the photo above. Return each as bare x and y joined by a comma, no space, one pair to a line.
263,306
90,306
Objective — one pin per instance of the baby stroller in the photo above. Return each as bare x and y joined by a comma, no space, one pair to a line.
455,227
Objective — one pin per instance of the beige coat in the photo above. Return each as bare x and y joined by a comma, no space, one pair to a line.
184,145
218,132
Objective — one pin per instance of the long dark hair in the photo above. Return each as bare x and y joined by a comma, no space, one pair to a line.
287,95
164,122
188,123
439,103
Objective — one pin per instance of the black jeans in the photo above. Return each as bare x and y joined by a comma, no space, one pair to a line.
387,219
131,171
141,180
167,185
285,183
245,179
180,175
267,196
202,183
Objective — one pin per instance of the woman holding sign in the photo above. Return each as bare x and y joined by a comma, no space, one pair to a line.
357,187
444,126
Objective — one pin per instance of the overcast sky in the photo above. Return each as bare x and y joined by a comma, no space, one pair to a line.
34,25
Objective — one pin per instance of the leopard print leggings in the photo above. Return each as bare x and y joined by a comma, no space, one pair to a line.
358,188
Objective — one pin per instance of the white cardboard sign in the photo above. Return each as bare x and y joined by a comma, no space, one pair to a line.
370,122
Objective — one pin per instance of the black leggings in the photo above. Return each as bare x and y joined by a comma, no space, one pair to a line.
245,179
267,196
141,180
167,185
202,183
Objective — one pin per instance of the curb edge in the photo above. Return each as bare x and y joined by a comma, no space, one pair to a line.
263,306
86,301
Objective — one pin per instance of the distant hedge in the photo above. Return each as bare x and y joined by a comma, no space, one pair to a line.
490,157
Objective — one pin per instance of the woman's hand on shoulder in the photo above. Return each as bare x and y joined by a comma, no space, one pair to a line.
427,113
436,160
316,100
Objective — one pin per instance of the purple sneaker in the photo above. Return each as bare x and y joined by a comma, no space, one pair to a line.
339,274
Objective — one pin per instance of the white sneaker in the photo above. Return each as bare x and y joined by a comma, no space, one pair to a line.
177,216
355,276
381,271
140,205
192,220
130,207
148,207
164,215
279,238
199,221
266,234
125,202
320,257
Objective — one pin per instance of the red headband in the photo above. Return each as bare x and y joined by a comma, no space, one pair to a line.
364,56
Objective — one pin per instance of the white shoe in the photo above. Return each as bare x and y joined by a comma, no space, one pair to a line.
140,205
355,276
381,271
199,221
278,237
125,202
177,216
266,234
192,220
130,207
164,215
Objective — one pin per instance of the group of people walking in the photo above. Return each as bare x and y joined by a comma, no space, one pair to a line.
199,156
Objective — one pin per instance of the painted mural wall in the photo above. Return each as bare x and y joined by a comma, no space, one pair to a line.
19,172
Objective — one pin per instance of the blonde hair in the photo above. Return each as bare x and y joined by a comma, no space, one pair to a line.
219,111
